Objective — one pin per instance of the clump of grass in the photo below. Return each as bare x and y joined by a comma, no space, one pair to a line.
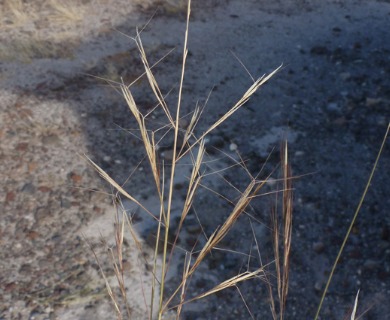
187,143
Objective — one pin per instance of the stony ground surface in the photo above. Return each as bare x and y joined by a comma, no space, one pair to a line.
330,100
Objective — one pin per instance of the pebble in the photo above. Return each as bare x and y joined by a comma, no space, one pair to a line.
32,166
22,146
65,203
333,107
371,265
28,188
271,181
318,247
371,102
318,286
167,155
233,147
76,178
51,139
10,196
41,214
345,76
126,265
319,50
44,189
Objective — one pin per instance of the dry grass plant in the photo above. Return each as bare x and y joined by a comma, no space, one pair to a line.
29,28
17,13
194,146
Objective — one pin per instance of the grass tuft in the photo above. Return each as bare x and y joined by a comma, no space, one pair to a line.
188,144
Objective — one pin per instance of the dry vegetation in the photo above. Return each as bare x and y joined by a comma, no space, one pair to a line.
193,145
26,25
29,22
53,28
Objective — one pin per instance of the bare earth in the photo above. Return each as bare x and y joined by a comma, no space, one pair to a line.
331,100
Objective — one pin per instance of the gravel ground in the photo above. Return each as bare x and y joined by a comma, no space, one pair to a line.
330,100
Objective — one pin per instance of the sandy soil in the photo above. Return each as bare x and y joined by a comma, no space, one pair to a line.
330,100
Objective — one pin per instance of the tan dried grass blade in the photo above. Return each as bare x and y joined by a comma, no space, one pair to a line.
108,287
106,177
247,95
239,208
247,275
152,80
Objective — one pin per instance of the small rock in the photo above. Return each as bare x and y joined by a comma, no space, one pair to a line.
318,286
271,181
44,189
10,196
22,146
10,287
319,50
32,166
126,265
370,102
333,107
40,214
318,247
32,235
76,178
371,265
25,268
233,147
28,188
65,203
51,139
167,155
336,30
345,76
